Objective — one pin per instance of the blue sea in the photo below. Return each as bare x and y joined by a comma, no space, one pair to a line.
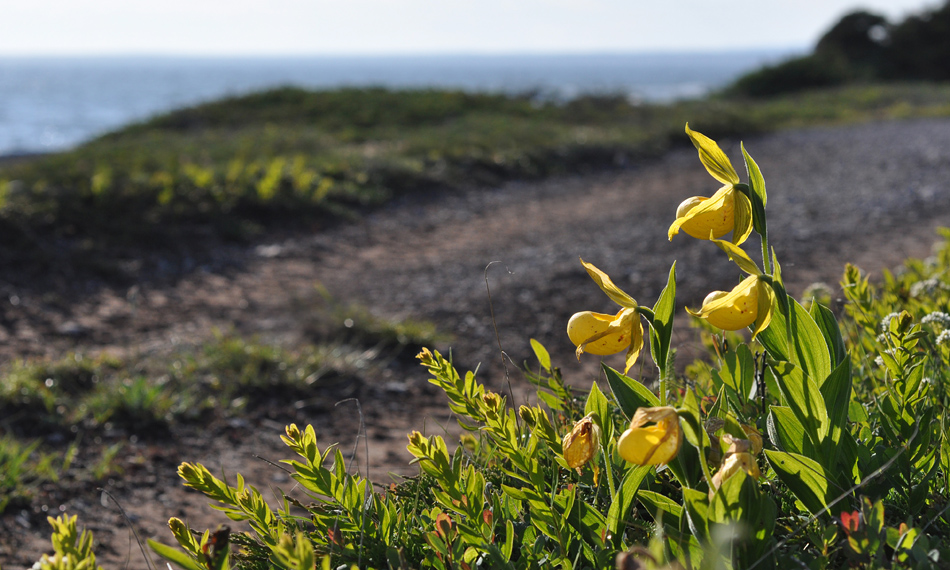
49,104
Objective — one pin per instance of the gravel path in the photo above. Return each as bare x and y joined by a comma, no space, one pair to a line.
870,194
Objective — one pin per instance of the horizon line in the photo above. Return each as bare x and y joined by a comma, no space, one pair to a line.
389,54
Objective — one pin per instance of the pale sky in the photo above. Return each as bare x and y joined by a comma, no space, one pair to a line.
337,27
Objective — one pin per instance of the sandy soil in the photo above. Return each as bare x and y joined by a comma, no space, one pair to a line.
869,194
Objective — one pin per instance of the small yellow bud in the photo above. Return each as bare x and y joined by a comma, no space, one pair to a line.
293,432
527,415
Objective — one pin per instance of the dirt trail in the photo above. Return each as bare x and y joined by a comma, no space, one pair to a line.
869,194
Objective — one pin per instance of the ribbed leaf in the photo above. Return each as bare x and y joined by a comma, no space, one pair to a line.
756,181
804,477
626,493
802,395
836,392
786,432
808,351
630,394
662,333
828,326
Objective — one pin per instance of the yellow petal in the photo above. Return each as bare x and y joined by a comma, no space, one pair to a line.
699,216
734,310
742,226
607,286
712,157
732,465
651,445
739,256
636,345
765,303
597,333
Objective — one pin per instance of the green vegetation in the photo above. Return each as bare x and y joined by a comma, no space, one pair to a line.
862,47
293,158
78,397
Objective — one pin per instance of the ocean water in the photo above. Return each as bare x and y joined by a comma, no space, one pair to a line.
49,104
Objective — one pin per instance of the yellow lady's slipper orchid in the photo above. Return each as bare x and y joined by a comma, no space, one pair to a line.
657,444
749,303
728,210
738,456
581,443
602,334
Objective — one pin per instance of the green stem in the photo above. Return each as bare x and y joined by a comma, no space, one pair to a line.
766,258
610,476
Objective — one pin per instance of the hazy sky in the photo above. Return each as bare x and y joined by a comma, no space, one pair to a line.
222,27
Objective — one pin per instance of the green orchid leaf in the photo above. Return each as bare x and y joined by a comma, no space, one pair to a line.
542,354
808,344
696,504
656,503
738,371
836,392
756,181
787,432
802,395
629,393
626,493
597,403
828,325
713,158
692,427
662,322
804,477
737,255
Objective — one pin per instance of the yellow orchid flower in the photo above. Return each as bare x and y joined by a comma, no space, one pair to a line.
597,333
738,456
728,210
748,304
657,444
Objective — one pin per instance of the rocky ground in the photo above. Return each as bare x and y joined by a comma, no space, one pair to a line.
869,194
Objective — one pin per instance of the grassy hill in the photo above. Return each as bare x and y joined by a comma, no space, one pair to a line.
291,158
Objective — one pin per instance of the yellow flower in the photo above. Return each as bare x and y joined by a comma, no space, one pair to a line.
728,210
748,304
657,444
602,334
581,443
738,456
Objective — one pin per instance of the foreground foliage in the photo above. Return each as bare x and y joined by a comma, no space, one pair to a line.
814,441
